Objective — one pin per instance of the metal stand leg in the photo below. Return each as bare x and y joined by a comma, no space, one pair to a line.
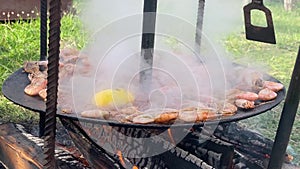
149,19
42,124
287,119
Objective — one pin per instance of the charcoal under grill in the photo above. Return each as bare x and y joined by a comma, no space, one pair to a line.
189,153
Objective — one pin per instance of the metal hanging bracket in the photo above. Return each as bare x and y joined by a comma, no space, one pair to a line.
258,33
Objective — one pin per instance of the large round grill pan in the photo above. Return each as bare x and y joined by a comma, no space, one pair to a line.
13,89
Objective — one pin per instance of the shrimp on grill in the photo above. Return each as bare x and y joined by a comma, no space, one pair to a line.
228,109
157,116
188,115
166,116
267,94
244,104
31,67
96,113
247,96
43,94
274,86
204,114
143,119
37,84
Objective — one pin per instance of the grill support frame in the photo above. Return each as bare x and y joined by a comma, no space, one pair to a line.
287,118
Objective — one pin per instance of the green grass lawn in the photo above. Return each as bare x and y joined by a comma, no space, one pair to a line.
20,42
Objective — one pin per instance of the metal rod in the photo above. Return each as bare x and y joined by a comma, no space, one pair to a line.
199,25
43,53
43,30
287,119
42,124
149,19
52,85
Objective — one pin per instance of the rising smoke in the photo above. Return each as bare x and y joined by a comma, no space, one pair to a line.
114,49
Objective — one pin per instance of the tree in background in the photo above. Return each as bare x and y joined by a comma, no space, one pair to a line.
288,4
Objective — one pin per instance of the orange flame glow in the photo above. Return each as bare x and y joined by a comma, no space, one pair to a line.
171,136
122,161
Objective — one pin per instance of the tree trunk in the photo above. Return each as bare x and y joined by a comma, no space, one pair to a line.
288,5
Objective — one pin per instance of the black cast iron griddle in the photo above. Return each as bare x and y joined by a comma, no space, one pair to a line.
13,89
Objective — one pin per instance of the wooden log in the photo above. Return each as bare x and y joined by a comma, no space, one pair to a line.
19,149
16,151
94,155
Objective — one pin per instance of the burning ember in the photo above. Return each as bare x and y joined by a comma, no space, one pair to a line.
232,146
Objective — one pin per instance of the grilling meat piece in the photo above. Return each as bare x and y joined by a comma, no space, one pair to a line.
143,119
188,116
31,67
38,79
247,96
247,86
43,94
67,110
274,86
244,104
98,114
248,79
267,94
228,109
66,70
204,114
156,115
258,84
69,55
37,84
167,116
69,58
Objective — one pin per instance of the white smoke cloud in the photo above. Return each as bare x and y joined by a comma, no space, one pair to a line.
115,45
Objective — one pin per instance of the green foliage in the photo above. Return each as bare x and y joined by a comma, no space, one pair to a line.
19,42
13,113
